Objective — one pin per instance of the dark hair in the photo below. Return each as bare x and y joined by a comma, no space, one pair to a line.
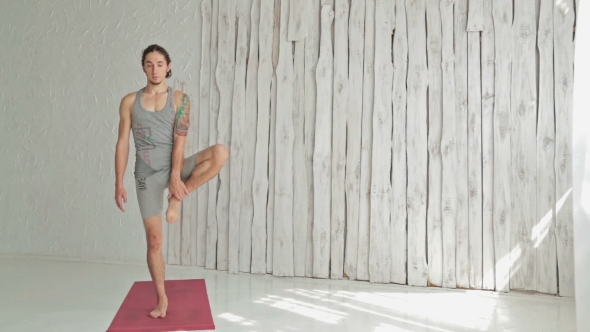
159,49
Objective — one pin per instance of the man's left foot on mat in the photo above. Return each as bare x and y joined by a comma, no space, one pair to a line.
173,210
160,311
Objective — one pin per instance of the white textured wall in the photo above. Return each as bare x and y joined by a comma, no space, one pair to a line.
65,66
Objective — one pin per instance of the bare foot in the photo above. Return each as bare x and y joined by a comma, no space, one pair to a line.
173,210
160,311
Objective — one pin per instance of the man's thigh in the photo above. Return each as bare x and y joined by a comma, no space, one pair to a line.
188,166
150,194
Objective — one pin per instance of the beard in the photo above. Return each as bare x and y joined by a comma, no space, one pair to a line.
156,82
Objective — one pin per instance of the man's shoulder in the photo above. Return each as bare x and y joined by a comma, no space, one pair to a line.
179,96
127,101
129,98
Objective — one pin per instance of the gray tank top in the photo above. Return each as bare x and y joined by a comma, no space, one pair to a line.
153,134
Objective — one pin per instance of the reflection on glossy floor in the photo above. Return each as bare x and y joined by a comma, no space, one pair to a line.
55,295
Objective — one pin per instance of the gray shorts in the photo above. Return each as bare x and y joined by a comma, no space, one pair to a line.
150,190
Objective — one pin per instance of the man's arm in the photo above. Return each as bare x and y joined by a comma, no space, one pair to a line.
181,126
122,150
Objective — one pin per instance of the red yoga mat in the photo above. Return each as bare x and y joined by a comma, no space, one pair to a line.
188,308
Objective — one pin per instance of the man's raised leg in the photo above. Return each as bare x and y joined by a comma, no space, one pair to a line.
155,260
207,165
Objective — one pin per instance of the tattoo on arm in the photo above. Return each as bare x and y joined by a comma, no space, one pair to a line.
182,121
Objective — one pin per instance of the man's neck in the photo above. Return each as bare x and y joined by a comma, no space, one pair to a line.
156,89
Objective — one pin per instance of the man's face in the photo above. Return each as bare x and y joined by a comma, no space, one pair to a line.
155,67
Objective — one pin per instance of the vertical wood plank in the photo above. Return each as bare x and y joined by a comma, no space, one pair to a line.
300,216
380,233
312,49
225,79
322,152
340,88
417,142
238,118
523,145
354,120
434,215
543,234
448,148
283,226
393,14
474,161
247,209
475,20
270,211
487,133
366,143
398,161
297,20
204,82
331,4
260,182
460,29
563,20
213,184
502,14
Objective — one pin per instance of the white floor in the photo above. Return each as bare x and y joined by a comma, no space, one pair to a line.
57,295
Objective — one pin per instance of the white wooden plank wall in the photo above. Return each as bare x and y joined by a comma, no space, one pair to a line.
260,182
224,74
543,234
474,143
417,142
362,272
283,218
398,157
322,154
297,20
353,141
247,207
312,51
462,171
380,234
523,141
563,21
339,110
434,217
448,149
502,13
270,209
238,119
300,203
392,12
404,141
487,143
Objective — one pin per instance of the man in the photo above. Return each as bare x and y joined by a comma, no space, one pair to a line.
158,116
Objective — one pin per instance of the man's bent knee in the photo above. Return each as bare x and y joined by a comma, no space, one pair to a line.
220,154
